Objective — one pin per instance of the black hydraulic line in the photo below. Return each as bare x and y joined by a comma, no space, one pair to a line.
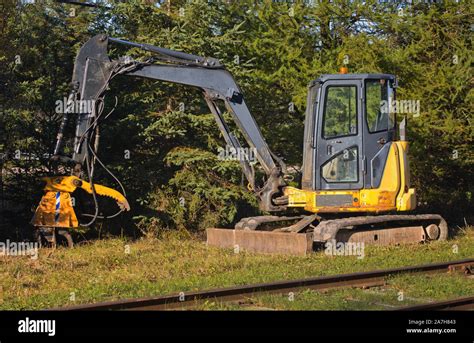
69,108
94,194
116,179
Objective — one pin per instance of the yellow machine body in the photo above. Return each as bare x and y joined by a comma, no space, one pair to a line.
393,194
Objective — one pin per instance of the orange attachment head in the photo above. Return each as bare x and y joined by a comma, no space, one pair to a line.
56,207
343,70
55,210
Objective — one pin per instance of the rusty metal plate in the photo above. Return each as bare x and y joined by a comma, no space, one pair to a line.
333,200
411,234
261,241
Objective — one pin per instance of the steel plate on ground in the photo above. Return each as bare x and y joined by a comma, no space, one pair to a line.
261,241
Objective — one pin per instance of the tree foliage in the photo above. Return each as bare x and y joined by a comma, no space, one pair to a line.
273,49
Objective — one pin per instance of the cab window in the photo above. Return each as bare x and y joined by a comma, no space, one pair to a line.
340,111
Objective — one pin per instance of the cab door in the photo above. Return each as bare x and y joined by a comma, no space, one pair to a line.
379,127
339,165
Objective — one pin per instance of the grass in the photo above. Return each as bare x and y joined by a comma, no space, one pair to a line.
114,269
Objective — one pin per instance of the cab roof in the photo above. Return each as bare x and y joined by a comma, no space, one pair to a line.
327,77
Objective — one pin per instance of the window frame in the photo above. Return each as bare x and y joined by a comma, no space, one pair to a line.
389,107
333,157
326,93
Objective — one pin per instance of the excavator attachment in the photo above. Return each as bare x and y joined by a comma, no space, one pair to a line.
56,208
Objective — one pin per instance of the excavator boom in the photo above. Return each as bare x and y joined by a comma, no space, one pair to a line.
94,70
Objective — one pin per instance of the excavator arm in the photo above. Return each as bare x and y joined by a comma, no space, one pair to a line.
94,70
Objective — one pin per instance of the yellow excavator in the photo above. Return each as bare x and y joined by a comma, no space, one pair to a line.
355,183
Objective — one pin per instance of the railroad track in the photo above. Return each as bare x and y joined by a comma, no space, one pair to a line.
466,303
238,293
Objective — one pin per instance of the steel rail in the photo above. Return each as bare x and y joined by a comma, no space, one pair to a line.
191,299
465,303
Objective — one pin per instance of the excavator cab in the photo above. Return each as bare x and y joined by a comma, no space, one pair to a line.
352,161
353,128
